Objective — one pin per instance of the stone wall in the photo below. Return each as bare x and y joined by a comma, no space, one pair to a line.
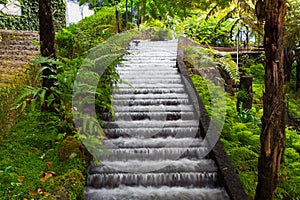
16,49
29,19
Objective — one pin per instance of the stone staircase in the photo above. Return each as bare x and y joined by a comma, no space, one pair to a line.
154,143
16,50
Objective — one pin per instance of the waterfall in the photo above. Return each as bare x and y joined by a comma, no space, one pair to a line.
154,146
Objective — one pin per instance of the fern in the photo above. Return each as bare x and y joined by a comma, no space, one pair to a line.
200,57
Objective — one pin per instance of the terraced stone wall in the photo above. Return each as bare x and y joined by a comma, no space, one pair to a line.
16,49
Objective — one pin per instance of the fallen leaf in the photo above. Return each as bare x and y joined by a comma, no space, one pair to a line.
20,179
32,193
40,191
49,163
35,149
46,176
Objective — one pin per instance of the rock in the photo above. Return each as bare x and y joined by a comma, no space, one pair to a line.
71,148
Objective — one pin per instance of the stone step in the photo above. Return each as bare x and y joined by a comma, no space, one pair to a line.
151,124
148,72
154,108
123,142
153,81
150,96
144,154
151,102
178,132
156,193
199,179
127,116
149,90
146,76
161,166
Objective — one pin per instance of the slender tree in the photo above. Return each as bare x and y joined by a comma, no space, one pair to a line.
47,38
272,137
143,10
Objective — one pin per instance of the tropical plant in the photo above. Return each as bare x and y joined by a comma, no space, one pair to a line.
206,58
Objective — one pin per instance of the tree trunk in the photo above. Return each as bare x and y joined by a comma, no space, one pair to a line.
245,85
288,63
272,137
47,38
298,70
117,18
143,11
126,25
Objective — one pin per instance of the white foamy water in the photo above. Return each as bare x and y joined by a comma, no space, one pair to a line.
160,193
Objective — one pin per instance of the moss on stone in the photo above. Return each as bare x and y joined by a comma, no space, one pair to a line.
68,186
71,148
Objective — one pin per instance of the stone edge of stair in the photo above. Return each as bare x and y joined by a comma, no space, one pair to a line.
228,177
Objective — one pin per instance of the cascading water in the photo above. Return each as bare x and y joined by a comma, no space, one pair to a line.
155,149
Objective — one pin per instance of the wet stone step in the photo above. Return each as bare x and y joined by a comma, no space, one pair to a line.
129,63
151,124
206,179
154,115
156,193
149,91
150,86
145,76
147,66
171,61
148,72
153,81
154,108
161,166
150,57
142,154
163,132
167,55
153,142
150,96
151,102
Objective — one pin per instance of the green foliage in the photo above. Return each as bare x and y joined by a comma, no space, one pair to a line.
29,18
70,184
241,137
213,31
293,102
77,39
208,59
254,67
242,95
28,153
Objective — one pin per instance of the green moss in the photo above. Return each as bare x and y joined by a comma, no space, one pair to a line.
68,186
29,151
71,148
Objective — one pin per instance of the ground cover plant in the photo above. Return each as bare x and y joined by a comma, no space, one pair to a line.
241,135
43,157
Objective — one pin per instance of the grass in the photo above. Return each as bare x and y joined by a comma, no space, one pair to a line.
30,165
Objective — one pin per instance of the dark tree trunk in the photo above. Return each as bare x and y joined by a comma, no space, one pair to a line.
245,85
273,121
47,38
126,14
298,70
288,63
